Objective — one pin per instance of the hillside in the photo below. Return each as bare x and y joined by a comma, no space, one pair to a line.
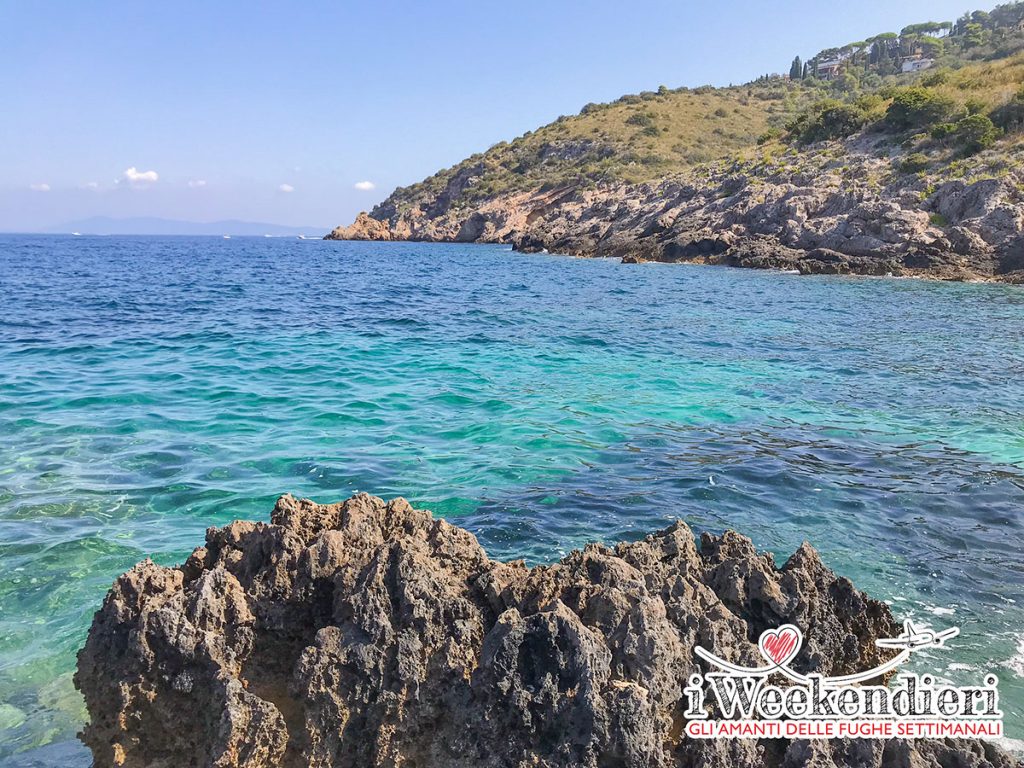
849,128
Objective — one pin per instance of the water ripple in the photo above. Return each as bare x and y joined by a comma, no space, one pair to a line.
152,387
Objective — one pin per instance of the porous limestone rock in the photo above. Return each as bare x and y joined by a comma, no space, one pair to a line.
371,634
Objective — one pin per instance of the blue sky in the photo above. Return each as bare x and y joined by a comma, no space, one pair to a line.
277,111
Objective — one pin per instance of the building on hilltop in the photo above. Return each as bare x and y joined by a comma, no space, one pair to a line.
827,70
916,65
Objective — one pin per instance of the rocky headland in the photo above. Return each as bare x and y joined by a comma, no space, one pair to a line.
371,634
843,208
900,154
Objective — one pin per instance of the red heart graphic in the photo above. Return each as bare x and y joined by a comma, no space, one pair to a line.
780,645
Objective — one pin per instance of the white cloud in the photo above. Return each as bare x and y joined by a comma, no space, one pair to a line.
39,187
365,186
91,185
135,177
196,183
286,188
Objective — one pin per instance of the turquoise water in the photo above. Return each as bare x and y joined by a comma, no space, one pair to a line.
151,387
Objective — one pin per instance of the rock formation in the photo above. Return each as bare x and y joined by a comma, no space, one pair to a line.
840,208
363,228
370,634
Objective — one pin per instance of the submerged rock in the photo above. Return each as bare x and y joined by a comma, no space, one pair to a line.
371,634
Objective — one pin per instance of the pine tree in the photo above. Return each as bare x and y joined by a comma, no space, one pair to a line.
796,71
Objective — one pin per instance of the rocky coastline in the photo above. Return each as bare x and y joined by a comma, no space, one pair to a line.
368,633
846,207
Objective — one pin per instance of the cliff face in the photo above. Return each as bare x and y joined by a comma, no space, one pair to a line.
369,634
843,208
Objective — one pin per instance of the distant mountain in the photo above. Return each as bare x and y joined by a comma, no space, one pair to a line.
148,225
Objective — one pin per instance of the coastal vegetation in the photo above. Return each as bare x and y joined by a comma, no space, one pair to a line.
898,155
937,90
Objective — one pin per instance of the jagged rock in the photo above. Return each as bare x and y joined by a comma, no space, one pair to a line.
363,228
715,215
959,201
1012,255
370,634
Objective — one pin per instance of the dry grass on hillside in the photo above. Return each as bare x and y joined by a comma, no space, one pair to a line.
990,84
648,136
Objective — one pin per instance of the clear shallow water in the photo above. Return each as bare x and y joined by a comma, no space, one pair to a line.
151,387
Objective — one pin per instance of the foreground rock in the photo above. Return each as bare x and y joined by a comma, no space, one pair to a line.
371,634
845,208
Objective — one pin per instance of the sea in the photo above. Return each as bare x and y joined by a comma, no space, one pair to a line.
151,387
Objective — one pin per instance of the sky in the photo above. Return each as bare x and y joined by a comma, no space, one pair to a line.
305,113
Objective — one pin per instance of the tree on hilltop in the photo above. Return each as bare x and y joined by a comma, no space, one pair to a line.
928,28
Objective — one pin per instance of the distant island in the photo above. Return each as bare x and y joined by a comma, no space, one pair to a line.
148,225
901,154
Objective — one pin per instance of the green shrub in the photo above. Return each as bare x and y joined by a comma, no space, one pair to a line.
870,102
829,119
936,77
1010,116
841,120
917,107
975,106
938,220
975,133
972,133
914,163
645,119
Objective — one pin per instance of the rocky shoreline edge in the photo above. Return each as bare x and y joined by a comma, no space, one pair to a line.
838,209
368,633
